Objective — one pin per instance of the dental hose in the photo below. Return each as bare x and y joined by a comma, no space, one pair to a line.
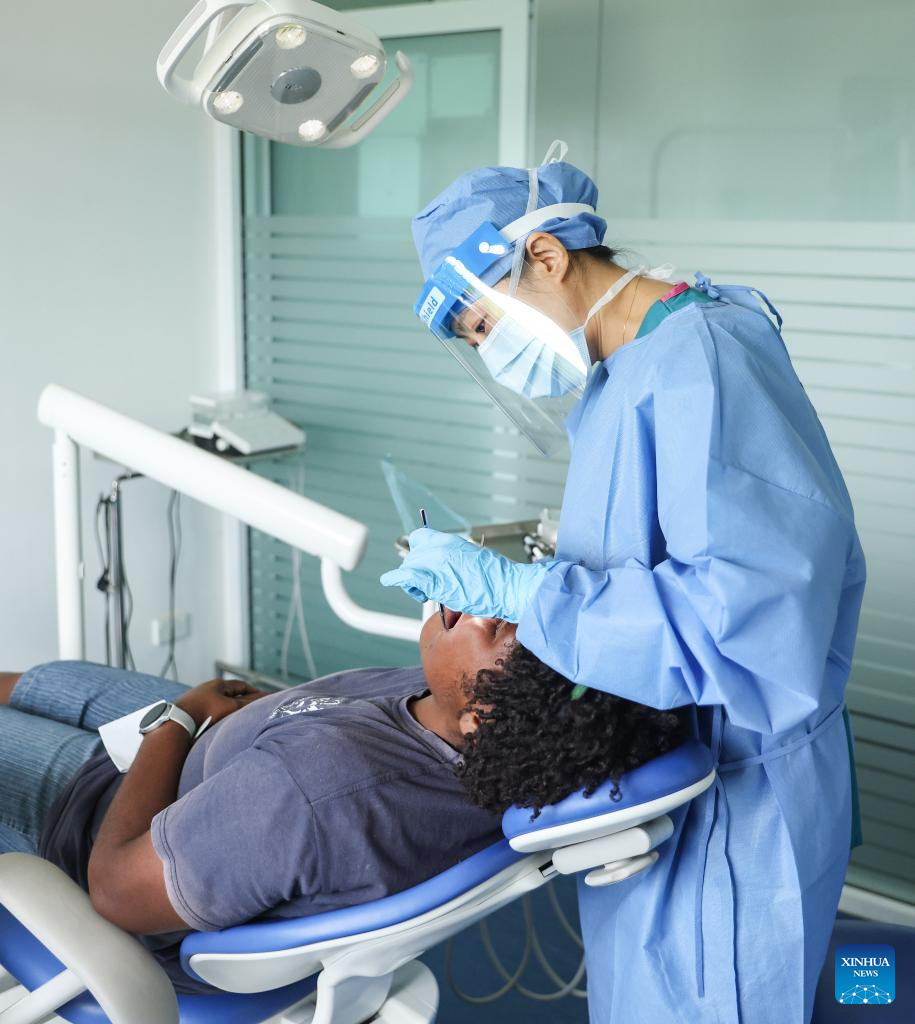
512,980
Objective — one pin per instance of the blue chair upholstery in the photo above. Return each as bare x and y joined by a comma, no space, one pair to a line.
677,769
827,1010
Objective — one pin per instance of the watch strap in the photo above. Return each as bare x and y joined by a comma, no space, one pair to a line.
172,713
176,714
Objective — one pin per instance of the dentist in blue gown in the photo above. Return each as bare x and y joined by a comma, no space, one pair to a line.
707,556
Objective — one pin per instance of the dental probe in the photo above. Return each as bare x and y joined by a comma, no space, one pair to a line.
441,607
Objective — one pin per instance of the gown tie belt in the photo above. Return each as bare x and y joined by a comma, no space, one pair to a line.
715,795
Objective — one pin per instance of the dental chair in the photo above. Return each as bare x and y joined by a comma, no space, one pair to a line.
62,962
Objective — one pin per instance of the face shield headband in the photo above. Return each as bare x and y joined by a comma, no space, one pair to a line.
442,292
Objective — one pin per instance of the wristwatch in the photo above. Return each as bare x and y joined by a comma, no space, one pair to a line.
163,712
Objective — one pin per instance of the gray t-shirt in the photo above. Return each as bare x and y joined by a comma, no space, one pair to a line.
322,796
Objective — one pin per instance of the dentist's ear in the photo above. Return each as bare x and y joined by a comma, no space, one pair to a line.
547,256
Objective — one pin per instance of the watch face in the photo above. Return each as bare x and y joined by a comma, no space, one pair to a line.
154,713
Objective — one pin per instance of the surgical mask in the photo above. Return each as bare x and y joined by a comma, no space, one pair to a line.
520,360
581,342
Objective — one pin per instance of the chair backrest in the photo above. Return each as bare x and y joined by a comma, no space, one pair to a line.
281,949
261,954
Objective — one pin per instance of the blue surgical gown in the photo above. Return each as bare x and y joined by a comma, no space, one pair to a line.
707,556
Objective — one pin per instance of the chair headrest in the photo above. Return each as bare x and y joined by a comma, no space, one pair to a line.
662,776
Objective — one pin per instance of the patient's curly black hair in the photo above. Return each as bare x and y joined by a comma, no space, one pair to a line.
535,745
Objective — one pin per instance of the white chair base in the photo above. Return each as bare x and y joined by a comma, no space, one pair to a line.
412,998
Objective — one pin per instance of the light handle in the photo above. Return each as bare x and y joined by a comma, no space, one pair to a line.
182,39
393,96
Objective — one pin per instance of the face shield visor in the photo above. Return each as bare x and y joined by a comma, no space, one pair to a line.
530,366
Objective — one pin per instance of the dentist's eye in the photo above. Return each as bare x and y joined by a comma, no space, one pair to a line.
477,334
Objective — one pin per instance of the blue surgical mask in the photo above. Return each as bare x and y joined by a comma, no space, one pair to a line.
581,342
520,360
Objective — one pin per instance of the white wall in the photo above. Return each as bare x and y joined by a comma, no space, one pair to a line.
107,245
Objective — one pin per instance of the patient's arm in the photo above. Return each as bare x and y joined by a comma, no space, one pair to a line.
126,881
126,877
7,681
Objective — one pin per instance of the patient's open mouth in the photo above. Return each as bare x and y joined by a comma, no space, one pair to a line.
451,618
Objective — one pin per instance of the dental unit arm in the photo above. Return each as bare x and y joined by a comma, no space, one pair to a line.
338,541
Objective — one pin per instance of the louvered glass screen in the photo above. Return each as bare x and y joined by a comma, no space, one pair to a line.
330,279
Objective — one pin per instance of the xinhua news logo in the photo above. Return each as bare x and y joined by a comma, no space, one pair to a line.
865,973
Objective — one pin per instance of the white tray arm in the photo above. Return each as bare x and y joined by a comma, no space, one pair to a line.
128,983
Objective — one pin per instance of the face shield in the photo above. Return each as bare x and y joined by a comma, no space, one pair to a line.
532,368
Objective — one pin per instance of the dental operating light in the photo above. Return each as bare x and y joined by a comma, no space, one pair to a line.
293,71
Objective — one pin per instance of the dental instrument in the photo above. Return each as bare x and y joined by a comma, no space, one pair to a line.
294,71
491,585
441,607
408,493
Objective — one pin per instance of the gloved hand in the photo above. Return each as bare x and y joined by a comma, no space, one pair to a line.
465,577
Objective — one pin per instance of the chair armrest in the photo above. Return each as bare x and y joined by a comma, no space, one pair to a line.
122,975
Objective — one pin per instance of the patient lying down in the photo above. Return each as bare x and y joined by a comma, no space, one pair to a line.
348,788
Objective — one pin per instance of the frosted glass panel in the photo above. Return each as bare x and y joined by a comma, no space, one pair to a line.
780,109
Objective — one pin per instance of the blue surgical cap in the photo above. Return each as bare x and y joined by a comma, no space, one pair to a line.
499,194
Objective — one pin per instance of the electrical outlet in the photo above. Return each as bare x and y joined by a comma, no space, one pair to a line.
164,625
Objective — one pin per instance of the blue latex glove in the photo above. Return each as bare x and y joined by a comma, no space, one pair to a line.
465,577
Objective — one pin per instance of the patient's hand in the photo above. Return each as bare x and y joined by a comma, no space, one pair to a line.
217,698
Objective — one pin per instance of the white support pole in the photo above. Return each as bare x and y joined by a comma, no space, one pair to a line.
380,623
226,254
68,548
